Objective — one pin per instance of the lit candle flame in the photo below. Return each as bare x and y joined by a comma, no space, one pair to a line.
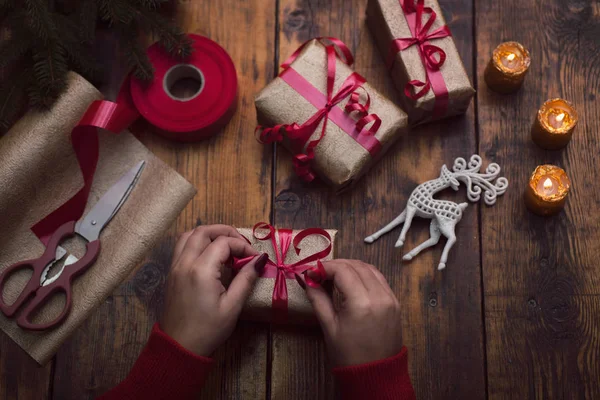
560,117
510,57
548,184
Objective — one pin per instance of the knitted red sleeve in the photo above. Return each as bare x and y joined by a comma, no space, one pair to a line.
382,380
164,370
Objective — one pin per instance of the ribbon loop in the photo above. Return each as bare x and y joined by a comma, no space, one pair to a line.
417,94
430,52
414,11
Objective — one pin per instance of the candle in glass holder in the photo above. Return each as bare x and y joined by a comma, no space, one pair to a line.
507,69
547,190
554,124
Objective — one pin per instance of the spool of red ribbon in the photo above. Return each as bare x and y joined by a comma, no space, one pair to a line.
204,113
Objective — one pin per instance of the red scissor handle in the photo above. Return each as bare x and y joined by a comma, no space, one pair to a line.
40,295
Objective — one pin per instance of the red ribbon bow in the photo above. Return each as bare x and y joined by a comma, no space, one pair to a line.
300,134
428,52
280,271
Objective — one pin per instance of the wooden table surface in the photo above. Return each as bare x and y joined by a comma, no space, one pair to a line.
516,314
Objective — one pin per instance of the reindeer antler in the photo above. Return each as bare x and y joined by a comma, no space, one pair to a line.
475,181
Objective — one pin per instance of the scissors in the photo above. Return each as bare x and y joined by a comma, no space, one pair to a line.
40,288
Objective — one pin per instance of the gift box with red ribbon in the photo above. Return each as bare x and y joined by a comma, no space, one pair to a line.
336,125
422,58
277,296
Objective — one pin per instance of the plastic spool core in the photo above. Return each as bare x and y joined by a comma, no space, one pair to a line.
183,82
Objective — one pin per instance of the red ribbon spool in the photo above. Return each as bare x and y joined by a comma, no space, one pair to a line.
200,116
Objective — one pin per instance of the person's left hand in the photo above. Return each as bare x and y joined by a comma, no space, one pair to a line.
200,314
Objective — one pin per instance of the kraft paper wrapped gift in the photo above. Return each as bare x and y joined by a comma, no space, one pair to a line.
411,52
39,172
259,306
339,158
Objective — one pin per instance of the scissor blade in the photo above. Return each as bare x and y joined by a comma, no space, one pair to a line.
91,225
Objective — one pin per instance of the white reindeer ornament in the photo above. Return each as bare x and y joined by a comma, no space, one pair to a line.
444,214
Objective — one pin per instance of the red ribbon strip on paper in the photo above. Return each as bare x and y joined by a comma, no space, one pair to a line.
428,52
326,110
280,271
112,116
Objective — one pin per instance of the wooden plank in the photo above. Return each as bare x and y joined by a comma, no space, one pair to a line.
20,375
541,275
233,175
442,321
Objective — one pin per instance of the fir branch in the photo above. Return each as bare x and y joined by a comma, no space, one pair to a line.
116,12
12,99
171,38
49,70
82,60
136,58
40,20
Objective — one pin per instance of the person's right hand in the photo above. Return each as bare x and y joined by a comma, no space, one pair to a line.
366,327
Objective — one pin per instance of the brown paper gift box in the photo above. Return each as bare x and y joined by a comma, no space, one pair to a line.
387,22
39,172
300,311
339,159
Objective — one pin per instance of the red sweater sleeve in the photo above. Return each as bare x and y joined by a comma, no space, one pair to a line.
164,370
382,380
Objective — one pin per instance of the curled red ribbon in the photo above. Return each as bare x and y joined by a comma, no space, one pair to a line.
112,116
428,52
281,271
326,110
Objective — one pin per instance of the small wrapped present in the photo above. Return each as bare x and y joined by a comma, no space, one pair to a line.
335,124
277,296
422,57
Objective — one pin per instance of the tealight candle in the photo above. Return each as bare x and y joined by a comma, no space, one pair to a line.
547,190
507,69
554,124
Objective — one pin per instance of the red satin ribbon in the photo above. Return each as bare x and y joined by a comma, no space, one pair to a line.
428,52
326,110
112,116
280,271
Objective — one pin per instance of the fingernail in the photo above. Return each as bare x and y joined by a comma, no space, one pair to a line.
300,282
260,263
314,276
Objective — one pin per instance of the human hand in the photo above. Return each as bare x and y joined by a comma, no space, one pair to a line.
200,314
366,327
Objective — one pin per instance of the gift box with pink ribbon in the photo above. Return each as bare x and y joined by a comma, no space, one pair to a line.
277,295
335,124
420,53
